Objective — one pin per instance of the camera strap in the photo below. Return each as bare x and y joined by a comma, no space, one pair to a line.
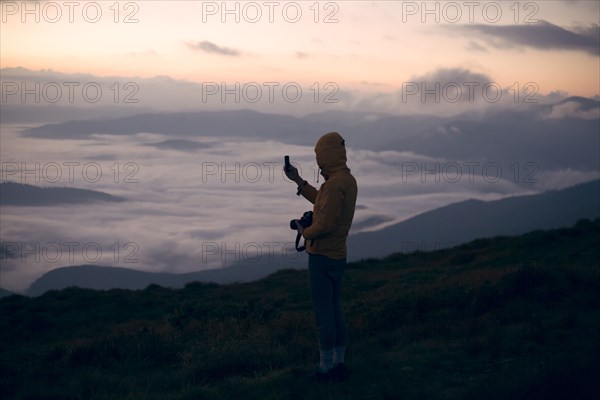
298,236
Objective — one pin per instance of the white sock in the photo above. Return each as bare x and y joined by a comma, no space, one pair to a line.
326,360
338,355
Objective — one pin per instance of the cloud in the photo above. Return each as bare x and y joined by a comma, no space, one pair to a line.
182,207
474,46
210,47
452,75
369,83
572,109
179,145
542,35
450,91
444,91
167,94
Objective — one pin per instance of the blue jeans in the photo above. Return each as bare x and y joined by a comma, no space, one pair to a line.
325,276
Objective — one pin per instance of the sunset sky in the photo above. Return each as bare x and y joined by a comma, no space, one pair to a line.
365,46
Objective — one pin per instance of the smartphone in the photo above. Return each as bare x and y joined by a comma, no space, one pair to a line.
287,162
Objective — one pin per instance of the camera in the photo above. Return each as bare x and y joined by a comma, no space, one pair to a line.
305,221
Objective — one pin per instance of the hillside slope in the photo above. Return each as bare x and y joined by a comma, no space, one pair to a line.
503,318
471,219
104,278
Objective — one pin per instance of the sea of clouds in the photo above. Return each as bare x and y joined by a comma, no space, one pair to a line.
208,202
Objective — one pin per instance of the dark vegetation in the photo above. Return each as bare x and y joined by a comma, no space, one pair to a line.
501,318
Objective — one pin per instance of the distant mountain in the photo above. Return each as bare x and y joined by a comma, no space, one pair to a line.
104,278
531,133
51,113
20,194
246,123
375,131
510,136
179,144
362,130
472,219
369,222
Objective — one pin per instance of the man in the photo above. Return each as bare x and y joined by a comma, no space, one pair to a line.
333,211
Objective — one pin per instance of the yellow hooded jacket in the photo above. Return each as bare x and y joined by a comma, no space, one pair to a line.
334,202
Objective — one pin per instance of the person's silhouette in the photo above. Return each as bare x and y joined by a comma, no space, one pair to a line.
333,212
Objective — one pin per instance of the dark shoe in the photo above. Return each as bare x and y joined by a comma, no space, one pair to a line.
321,376
340,372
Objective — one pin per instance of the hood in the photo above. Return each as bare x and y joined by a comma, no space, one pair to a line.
331,153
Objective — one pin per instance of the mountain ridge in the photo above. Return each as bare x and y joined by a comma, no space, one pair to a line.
479,219
505,136
101,277
22,194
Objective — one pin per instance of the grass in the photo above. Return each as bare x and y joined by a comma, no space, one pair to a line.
500,318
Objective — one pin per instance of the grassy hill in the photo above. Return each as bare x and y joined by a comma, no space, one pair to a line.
501,318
